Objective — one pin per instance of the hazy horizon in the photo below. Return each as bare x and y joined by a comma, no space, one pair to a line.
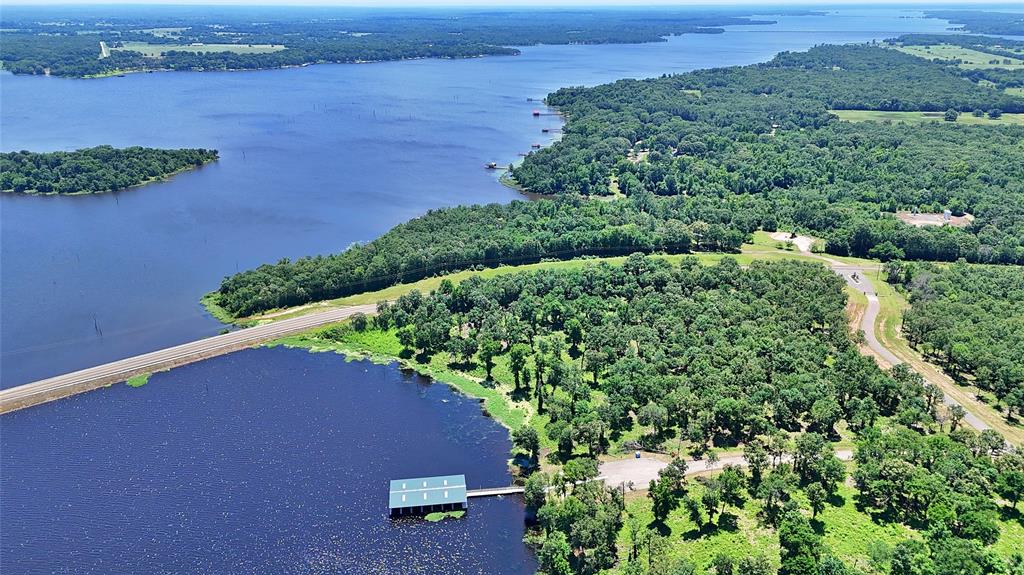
514,4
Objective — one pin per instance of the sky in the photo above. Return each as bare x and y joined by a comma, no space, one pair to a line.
488,3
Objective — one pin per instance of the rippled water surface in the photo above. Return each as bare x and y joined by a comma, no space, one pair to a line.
312,159
262,461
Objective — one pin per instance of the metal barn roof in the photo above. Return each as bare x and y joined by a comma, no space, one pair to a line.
420,491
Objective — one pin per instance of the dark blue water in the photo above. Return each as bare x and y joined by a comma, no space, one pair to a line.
263,461
312,159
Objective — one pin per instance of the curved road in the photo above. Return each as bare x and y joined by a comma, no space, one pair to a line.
106,374
856,277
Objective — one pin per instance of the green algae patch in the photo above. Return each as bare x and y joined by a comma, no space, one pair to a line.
442,515
138,380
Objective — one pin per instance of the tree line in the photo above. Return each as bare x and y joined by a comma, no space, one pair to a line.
93,170
521,232
70,46
762,135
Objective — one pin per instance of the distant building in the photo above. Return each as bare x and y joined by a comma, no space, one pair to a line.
421,495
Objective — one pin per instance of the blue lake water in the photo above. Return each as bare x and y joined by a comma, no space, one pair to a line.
271,460
312,159
262,461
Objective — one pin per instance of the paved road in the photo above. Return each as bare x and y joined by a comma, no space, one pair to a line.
641,471
857,278
94,377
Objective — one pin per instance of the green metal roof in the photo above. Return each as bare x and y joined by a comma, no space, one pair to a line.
427,491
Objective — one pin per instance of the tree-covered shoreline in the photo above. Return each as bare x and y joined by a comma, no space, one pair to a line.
747,134
94,170
68,44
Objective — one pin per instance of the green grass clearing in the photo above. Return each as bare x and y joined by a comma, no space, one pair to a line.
157,50
966,58
1015,91
922,117
844,529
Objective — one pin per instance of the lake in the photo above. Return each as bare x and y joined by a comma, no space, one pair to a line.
262,461
272,460
312,160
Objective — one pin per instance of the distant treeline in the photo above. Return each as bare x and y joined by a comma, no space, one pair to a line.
762,137
982,22
70,46
93,170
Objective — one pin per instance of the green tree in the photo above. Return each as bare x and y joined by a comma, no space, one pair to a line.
554,555
663,499
817,497
526,438
951,115
489,349
517,357
911,557
799,546
754,565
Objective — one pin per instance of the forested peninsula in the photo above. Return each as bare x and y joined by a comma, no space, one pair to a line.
698,161
94,170
80,43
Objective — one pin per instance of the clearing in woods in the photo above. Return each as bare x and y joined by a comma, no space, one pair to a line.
964,57
157,50
921,117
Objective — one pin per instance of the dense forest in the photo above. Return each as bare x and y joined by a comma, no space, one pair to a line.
763,135
693,359
67,44
971,320
93,170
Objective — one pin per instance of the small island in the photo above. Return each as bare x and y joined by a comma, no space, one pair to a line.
94,170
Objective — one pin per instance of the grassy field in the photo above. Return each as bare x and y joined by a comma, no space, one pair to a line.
969,59
921,117
157,50
1015,91
845,530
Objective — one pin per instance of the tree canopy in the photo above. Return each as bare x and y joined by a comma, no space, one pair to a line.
93,170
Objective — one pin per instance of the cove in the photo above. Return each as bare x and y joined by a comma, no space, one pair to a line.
262,461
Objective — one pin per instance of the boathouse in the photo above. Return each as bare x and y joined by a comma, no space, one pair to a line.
422,495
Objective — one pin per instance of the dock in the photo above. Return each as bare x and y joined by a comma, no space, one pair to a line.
493,491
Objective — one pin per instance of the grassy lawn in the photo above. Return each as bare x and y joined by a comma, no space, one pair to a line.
157,50
1015,91
969,59
921,117
845,530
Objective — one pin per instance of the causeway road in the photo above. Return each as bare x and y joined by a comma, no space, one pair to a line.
60,386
